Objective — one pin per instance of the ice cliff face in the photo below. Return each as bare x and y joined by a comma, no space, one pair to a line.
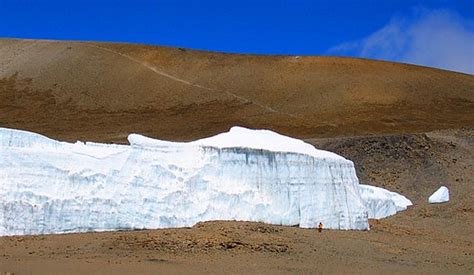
48,186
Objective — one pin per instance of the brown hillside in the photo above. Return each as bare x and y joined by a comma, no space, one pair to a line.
103,91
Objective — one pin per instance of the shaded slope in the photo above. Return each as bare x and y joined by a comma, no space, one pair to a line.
103,91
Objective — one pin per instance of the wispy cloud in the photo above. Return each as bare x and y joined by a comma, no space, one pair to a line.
438,38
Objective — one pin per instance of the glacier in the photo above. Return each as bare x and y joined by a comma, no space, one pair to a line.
48,186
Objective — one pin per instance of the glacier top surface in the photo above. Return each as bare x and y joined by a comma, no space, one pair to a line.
236,137
240,137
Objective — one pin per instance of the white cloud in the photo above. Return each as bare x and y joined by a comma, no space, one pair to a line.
437,38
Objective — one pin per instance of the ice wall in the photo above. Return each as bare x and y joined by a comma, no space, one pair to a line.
48,186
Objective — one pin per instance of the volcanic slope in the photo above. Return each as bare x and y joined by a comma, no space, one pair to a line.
104,91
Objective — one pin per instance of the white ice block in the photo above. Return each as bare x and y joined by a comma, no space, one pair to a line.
441,195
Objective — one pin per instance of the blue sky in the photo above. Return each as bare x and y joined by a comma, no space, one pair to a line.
405,31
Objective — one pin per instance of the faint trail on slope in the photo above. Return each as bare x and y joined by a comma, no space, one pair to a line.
155,70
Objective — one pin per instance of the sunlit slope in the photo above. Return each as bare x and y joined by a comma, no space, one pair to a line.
103,91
